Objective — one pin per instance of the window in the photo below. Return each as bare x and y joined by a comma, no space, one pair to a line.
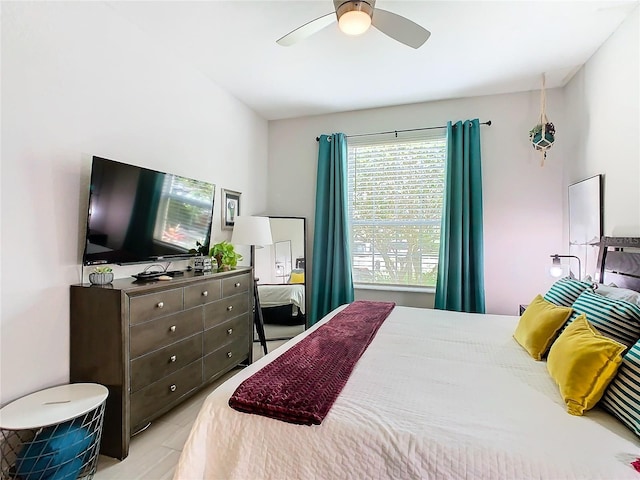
396,191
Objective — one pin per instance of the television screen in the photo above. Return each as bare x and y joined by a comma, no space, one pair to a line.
137,214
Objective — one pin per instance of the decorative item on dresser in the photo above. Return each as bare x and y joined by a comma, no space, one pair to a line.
152,344
101,276
225,255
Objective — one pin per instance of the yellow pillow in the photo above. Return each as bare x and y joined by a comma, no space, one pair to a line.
583,362
539,325
296,277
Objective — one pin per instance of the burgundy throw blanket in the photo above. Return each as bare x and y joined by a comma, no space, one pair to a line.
301,385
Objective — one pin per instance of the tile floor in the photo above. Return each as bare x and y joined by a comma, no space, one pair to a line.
154,453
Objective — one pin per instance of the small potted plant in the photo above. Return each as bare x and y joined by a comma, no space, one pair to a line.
226,256
101,276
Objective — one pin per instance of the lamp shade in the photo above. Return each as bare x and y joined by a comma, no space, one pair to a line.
354,22
354,18
251,231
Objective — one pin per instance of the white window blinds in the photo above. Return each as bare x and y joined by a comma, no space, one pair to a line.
184,212
396,190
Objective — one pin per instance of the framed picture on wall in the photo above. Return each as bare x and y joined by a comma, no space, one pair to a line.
585,221
230,208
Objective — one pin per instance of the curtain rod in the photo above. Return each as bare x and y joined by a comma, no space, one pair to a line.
488,122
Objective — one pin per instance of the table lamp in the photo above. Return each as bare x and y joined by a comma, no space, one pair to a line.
556,269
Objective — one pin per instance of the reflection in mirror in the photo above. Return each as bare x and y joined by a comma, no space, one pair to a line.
280,274
283,260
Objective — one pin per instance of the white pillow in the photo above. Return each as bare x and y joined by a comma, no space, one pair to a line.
617,293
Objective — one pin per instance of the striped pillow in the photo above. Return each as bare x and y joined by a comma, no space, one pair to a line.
565,291
616,319
622,397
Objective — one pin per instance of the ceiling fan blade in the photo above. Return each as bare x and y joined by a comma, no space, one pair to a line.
400,28
307,30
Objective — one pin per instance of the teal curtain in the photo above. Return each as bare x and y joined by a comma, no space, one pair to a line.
331,280
460,283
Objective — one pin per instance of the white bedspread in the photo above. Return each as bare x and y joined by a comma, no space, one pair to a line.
437,395
285,294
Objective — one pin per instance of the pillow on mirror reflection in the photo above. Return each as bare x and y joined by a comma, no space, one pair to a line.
297,276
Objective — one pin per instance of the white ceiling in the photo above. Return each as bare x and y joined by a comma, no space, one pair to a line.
476,48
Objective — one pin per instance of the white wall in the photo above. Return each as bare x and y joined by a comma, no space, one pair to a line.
522,202
78,81
603,105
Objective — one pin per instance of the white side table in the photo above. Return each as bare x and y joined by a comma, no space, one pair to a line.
53,433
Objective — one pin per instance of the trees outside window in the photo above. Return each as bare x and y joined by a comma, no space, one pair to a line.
396,191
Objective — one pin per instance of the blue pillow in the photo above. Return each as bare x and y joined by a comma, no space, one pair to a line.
55,453
622,396
616,319
565,291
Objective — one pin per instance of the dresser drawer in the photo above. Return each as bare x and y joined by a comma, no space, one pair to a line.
155,365
219,361
225,309
202,293
163,394
164,331
235,285
225,333
147,307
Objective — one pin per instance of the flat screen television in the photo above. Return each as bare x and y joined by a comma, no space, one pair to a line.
139,215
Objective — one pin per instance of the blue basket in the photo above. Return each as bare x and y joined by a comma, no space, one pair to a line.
65,451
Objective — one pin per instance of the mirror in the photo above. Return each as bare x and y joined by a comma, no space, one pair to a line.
280,275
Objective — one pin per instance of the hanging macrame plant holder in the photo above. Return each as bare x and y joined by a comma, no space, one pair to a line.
543,134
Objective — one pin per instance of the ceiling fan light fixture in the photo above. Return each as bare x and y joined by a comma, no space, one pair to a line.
354,22
354,17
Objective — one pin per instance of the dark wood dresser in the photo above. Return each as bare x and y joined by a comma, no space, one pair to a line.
153,344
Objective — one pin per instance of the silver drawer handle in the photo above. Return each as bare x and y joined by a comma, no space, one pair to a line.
173,388
161,304
237,284
230,331
230,307
172,328
205,293
172,358
229,354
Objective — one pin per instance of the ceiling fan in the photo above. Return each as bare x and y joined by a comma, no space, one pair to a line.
355,17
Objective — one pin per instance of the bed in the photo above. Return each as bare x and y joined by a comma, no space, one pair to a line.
435,395
283,303
284,294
